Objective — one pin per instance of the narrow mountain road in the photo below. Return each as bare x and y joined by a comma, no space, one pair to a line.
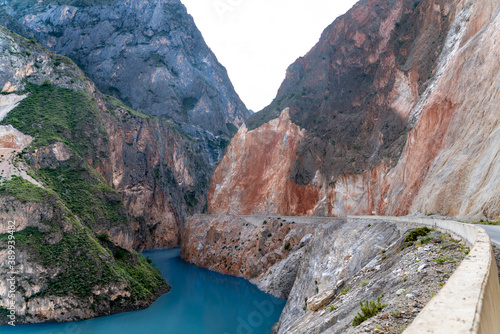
494,232
256,219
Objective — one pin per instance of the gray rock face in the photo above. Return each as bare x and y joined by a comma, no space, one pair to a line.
335,253
150,54
160,168
147,53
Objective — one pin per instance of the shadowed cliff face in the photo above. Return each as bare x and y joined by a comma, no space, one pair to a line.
146,53
387,119
89,141
160,155
74,238
352,90
159,174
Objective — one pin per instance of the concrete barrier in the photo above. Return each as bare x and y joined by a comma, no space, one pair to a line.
469,302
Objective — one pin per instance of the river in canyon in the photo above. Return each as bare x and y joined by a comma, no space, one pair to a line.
200,302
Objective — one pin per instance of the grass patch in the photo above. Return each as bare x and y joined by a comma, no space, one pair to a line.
368,310
26,191
86,194
51,114
365,282
425,240
487,222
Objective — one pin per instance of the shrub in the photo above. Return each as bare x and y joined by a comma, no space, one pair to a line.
287,246
365,282
103,236
419,232
368,309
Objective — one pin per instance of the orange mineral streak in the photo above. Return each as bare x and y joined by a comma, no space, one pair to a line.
424,144
449,165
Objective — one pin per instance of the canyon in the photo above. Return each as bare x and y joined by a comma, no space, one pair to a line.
122,145
394,111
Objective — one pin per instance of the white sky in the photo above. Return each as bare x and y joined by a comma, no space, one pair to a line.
256,40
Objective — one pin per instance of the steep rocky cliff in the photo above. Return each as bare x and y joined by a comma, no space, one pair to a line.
71,233
147,53
240,246
394,111
179,109
326,266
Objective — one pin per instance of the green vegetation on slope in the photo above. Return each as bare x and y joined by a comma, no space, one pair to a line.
83,262
487,222
418,232
368,310
51,114
79,256
86,194
25,191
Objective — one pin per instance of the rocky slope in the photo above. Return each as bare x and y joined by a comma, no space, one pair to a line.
378,117
147,53
73,235
180,108
325,267
241,246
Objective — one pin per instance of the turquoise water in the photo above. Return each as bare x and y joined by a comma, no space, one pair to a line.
200,302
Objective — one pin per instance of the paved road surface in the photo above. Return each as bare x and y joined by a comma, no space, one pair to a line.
494,232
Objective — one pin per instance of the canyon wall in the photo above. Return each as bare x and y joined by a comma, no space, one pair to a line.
66,237
169,108
147,53
325,266
160,171
394,111
241,246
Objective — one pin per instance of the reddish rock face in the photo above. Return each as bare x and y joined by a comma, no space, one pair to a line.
392,113
261,174
12,138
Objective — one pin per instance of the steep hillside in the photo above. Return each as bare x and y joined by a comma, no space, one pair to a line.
71,233
154,166
147,53
159,148
394,111
326,266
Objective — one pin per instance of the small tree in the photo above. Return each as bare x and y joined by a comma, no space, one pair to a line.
368,309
